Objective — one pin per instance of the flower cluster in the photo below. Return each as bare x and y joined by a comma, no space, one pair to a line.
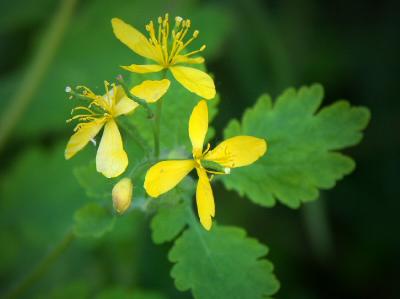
166,47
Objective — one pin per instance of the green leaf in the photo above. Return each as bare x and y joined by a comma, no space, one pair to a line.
93,220
302,146
93,182
222,263
171,216
168,222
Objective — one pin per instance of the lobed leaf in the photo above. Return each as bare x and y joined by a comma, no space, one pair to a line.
302,145
222,263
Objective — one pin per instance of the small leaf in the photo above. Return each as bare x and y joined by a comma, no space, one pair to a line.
93,220
301,155
94,184
172,214
222,263
168,222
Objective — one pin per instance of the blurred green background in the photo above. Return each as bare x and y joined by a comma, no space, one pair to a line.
343,246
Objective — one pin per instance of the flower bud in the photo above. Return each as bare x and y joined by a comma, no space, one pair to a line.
122,195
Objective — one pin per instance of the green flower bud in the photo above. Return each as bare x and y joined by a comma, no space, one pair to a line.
122,195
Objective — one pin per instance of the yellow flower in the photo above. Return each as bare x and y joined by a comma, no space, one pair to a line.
166,48
234,152
122,195
111,158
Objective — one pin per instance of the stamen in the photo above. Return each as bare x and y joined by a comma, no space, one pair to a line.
82,108
197,51
178,20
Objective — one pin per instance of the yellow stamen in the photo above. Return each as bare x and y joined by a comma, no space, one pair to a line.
170,43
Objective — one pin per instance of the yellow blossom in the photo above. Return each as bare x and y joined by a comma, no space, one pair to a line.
234,152
166,47
122,195
111,158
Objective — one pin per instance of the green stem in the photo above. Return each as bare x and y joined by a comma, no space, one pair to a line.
157,126
141,102
131,130
42,267
317,227
36,70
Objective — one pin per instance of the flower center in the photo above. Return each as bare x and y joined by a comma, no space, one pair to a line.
99,107
170,46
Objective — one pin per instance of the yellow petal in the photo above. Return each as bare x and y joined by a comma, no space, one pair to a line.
82,136
135,40
125,106
143,69
151,90
111,159
238,151
198,126
165,175
204,199
195,81
185,59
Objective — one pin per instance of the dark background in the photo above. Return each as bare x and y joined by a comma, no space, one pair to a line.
343,246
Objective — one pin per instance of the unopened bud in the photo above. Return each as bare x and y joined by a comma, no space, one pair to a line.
122,195
214,166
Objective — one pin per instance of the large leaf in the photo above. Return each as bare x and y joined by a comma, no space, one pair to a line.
222,264
302,146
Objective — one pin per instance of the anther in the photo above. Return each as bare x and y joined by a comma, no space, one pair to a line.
196,33
68,89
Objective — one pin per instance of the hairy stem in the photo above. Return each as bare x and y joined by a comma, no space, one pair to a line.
36,70
42,267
